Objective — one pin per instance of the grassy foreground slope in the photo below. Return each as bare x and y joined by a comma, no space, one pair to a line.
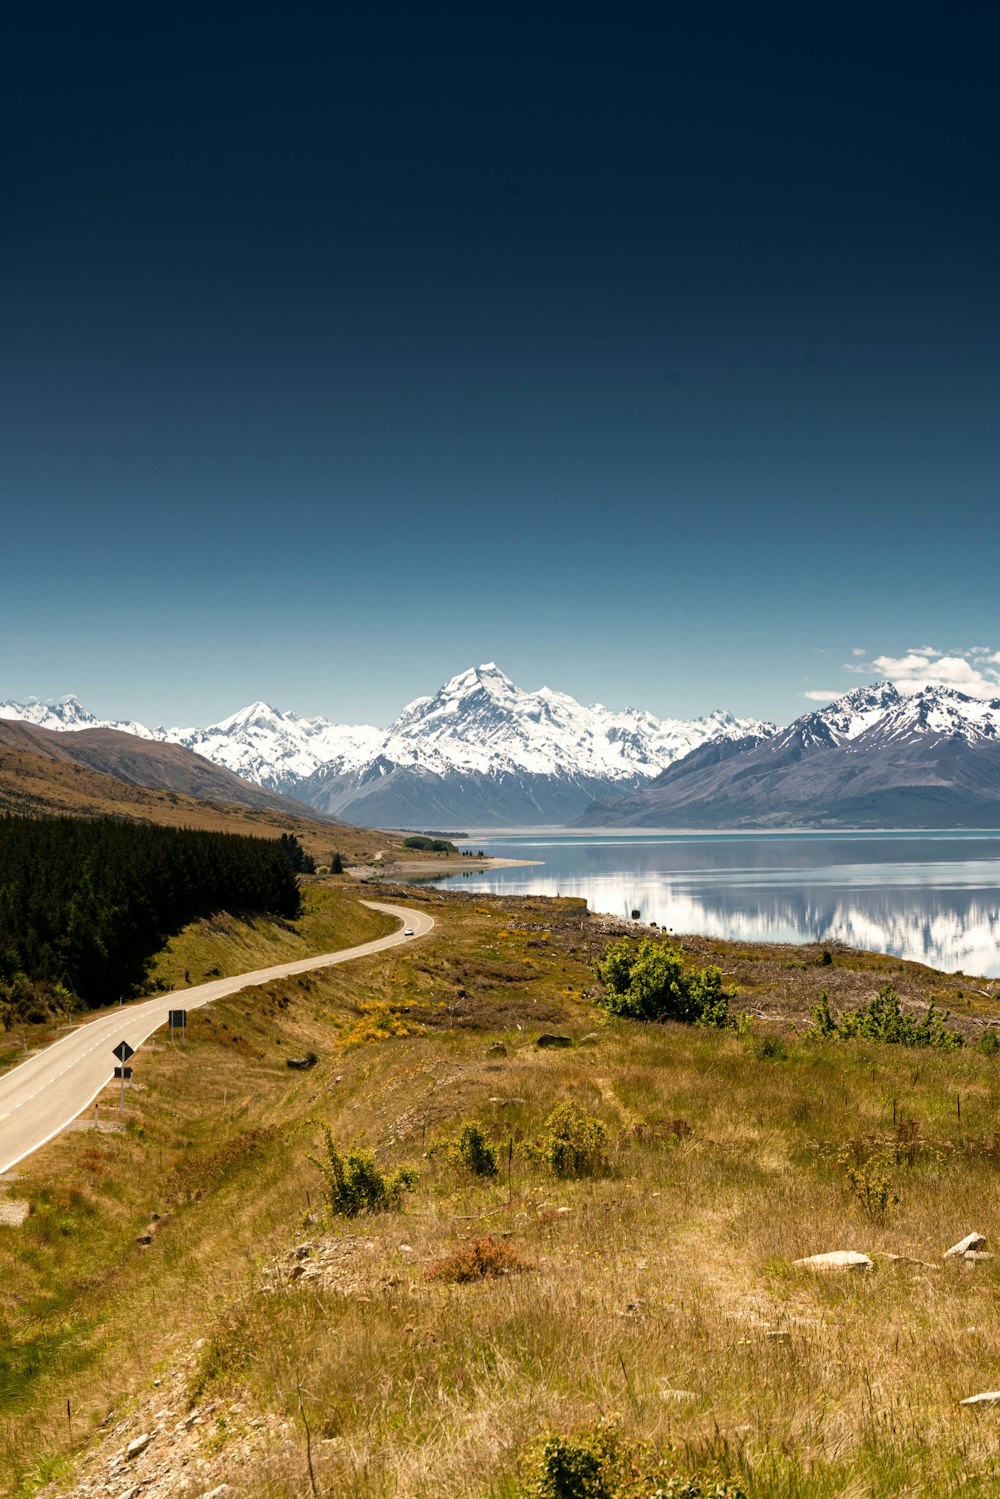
256,1343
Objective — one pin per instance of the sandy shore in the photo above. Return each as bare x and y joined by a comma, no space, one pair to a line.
448,864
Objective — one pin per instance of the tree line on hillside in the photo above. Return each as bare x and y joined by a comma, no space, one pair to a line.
84,904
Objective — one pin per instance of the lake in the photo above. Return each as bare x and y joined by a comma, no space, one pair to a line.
933,897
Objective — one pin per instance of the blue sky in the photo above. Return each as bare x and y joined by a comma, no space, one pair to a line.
656,363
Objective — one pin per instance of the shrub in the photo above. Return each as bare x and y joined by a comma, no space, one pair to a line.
477,1260
989,1044
883,1019
600,1464
471,1151
355,1184
649,982
575,1143
871,1182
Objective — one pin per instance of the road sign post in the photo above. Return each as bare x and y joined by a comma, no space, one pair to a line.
123,1051
178,1020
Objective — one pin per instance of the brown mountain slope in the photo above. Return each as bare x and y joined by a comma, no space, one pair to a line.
35,781
146,762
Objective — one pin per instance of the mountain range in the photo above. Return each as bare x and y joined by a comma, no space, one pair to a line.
875,757
479,752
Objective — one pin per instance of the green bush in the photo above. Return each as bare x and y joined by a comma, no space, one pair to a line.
871,1182
355,1184
471,1151
883,1019
649,982
600,1464
575,1143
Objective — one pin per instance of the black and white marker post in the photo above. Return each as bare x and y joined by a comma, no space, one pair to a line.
123,1051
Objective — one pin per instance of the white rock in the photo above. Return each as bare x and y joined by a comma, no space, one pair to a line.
138,1445
836,1259
971,1241
988,1397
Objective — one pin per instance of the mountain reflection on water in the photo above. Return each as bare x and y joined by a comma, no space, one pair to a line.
934,898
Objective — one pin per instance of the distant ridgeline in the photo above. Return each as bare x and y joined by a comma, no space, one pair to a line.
85,904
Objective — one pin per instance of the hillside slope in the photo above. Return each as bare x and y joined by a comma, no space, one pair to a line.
149,763
282,1353
34,781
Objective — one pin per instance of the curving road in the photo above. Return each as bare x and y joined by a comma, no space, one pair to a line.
41,1096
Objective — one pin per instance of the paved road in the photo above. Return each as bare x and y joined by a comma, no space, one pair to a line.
41,1096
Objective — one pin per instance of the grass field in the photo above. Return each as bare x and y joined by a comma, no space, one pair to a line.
261,1344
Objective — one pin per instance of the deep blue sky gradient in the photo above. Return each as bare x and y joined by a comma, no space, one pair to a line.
654,355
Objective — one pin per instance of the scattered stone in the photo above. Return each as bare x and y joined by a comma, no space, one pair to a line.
907,1259
548,1039
303,1252
778,1337
406,1248
678,1395
590,1039
974,1256
219,1492
836,1259
138,1445
296,1272
988,1397
301,1064
496,1049
13,1212
971,1241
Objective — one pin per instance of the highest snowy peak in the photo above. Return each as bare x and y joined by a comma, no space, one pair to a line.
479,721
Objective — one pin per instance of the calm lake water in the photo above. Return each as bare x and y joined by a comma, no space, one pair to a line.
934,897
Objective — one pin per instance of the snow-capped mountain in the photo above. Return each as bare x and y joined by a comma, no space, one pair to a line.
479,721
483,752
279,750
876,757
480,751
68,714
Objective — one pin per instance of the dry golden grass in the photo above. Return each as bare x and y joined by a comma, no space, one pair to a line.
664,1293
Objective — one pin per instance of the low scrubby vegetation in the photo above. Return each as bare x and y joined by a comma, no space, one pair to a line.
602,1464
649,981
884,1019
355,1184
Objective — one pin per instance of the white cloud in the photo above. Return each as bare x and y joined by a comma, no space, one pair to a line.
816,696
924,650
858,650
926,667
